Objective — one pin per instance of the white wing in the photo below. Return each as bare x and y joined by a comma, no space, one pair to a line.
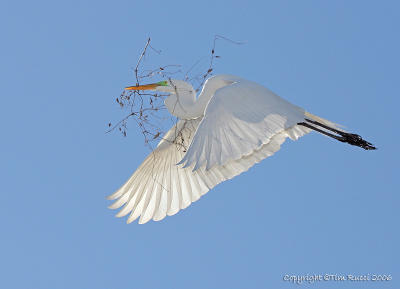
239,120
160,187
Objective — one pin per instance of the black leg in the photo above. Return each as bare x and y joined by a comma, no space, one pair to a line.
319,130
350,138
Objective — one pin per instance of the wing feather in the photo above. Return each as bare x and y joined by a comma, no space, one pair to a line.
169,186
161,204
148,205
174,201
133,197
139,201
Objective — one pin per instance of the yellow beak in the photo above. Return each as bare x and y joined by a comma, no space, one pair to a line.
142,87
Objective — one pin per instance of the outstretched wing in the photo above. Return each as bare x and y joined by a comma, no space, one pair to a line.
239,120
161,187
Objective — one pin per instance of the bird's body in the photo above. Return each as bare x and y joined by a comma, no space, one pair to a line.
232,124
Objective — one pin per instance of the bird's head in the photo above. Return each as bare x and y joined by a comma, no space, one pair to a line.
181,95
174,86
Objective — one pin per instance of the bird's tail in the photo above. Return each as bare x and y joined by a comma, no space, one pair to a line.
335,131
324,121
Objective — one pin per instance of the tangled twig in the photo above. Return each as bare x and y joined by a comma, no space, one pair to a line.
147,108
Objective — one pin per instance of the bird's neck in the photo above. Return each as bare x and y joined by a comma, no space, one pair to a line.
203,99
187,106
182,105
208,91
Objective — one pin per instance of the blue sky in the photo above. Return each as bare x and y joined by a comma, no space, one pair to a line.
316,207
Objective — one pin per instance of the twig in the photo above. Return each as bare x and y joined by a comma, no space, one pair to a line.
140,59
145,107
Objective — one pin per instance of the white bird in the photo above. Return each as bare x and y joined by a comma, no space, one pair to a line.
232,125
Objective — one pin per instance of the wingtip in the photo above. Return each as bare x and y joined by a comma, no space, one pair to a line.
113,196
143,220
132,217
121,214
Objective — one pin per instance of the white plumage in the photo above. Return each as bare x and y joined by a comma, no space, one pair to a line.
233,124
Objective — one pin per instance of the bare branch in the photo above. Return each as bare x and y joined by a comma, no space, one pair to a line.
147,109
140,59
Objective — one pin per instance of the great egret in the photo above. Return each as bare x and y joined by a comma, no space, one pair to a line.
232,124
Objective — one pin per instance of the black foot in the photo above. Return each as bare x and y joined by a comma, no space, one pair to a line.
356,140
